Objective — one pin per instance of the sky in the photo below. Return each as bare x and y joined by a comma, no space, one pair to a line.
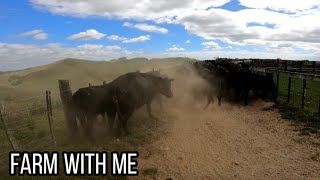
38,32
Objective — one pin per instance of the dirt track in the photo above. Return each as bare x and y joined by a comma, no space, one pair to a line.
233,142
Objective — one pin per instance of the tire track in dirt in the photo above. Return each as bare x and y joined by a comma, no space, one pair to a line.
231,142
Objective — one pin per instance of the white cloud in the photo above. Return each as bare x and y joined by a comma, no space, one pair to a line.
129,40
98,47
90,34
116,38
283,5
30,33
188,41
160,10
211,45
41,36
268,24
17,56
137,39
175,48
233,28
36,34
146,27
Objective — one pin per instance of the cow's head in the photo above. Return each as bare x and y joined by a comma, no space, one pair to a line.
164,85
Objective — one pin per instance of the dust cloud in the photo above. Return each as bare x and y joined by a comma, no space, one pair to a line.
189,89
226,142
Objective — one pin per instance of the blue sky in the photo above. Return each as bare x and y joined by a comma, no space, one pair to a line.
38,32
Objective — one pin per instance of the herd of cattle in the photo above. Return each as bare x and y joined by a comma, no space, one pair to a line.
131,91
234,81
120,97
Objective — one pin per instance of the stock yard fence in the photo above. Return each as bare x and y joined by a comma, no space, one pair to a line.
298,85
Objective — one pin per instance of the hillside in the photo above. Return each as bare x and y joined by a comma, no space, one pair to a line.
36,80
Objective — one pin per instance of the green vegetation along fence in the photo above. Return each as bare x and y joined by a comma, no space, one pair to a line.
37,123
299,91
27,124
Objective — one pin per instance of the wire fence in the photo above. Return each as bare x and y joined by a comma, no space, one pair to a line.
296,95
29,124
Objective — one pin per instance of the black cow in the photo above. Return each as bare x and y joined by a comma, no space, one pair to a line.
215,78
133,90
264,87
88,103
239,78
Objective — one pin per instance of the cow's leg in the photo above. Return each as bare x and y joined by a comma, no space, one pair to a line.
149,111
210,99
246,96
90,119
82,119
111,116
105,121
219,99
124,119
238,94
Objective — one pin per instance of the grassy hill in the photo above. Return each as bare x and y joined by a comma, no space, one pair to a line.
37,80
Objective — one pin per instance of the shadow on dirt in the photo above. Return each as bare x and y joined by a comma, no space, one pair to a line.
308,123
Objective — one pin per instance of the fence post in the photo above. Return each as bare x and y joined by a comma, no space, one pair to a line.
289,89
66,98
2,114
49,115
300,66
304,85
314,66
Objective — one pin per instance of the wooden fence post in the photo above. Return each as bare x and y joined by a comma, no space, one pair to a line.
66,98
2,114
49,115
289,89
304,85
300,66
314,66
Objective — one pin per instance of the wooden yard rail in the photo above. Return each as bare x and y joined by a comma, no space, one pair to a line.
303,76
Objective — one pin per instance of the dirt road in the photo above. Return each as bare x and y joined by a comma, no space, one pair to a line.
233,142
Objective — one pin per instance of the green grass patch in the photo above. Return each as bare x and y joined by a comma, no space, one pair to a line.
308,117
